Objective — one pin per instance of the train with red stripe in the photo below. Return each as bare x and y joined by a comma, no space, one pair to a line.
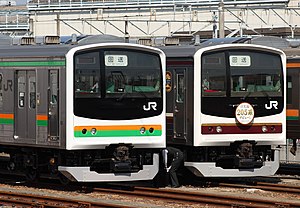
226,107
90,112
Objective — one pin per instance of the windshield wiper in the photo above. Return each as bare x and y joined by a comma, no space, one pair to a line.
122,96
247,95
140,92
266,94
250,92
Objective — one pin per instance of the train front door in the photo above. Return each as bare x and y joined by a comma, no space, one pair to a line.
179,105
25,107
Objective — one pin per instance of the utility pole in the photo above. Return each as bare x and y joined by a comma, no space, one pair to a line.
221,19
57,24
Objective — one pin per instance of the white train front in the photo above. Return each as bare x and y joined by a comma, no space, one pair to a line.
82,113
226,107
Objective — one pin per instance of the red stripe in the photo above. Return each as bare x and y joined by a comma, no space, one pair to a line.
257,129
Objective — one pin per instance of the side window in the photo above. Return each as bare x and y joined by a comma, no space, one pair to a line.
1,92
289,89
87,74
32,93
180,88
213,69
53,87
21,91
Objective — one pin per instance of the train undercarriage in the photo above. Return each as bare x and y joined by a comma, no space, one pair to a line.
46,163
241,158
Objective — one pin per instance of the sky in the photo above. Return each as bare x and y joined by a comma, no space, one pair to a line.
21,2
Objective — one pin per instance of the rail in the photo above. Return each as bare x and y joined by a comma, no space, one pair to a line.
199,197
14,20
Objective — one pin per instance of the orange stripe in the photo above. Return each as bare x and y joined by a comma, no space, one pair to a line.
129,127
42,117
292,112
293,65
11,116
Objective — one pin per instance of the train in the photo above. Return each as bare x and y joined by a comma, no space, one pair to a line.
226,107
290,153
101,110
82,112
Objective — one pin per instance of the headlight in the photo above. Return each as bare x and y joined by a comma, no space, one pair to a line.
264,128
93,131
219,129
142,130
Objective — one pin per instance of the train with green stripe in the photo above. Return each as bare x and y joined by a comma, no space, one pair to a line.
290,153
82,112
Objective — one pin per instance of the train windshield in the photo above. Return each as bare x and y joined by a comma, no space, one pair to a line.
241,74
234,76
117,83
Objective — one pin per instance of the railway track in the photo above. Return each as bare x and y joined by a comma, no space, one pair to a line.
266,186
221,200
15,199
199,198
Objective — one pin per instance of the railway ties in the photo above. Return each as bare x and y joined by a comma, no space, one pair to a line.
17,199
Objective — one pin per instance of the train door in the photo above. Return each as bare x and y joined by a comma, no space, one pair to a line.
180,105
53,120
25,118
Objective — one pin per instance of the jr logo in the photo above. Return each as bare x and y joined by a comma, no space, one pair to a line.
150,105
271,105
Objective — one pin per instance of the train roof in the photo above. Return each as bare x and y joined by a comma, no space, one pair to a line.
190,50
185,51
292,53
16,51
40,49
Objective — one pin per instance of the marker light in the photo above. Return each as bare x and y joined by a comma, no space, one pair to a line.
151,130
219,129
273,128
142,130
84,131
93,131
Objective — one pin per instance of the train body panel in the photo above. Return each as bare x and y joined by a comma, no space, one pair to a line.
226,107
27,86
90,113
290,152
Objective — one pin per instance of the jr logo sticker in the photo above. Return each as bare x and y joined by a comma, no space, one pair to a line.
150,105
271,105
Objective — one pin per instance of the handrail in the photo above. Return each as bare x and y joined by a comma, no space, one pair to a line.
50,4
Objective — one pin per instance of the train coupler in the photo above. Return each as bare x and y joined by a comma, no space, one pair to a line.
121,161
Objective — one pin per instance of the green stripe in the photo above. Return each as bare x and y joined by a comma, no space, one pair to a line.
292,118
121,133
42,123
32,63
6,121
